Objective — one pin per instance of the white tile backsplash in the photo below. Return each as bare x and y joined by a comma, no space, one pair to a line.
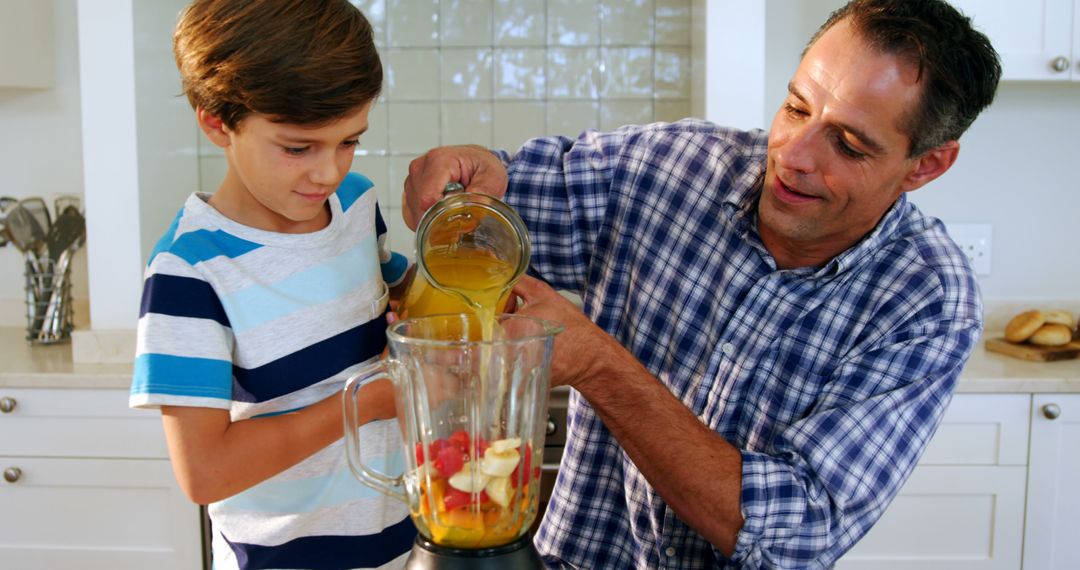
467,123
516,122
412,23
570,118
414,127
627,72
520,23
615,113
412,74
573,22
377,169
376,139
497,72
573,73
626,22
519,73
672,23
671,72
466,74
466,23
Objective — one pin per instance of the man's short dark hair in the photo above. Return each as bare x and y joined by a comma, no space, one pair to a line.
956,64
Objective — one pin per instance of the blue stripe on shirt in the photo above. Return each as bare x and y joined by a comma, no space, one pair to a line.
312,364
260,303
204,245
182,376
181,297
351,188
394,270
368,551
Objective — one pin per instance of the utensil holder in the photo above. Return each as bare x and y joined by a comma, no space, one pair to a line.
49,312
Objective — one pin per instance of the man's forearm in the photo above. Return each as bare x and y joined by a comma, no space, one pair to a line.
696,471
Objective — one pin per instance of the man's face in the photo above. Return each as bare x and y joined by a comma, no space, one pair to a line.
281,175
837,158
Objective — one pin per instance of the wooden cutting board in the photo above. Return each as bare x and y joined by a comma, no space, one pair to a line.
1032,352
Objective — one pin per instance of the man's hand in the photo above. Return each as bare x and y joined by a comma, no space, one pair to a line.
475,167
582,347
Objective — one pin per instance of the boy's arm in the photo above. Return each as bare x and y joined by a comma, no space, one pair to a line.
215,458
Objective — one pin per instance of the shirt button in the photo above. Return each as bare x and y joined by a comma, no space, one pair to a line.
670,551
729,349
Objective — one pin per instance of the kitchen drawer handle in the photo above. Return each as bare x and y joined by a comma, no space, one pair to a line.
1060,63
7,405
12,474
1051,411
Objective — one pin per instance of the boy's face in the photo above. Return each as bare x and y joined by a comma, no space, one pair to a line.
280,175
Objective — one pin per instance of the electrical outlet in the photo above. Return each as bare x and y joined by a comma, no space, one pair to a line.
975,241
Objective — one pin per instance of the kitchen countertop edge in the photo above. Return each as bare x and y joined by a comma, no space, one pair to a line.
25,366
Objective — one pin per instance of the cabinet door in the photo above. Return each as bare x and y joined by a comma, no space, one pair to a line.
1029,35
948,518
962,508
1053,527
107,514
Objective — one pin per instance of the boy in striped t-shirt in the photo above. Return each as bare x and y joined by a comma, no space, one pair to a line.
262,298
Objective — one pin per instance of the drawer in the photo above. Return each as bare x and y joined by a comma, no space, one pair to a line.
982,429
96,514
78,423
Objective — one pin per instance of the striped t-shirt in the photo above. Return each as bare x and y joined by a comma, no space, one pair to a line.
262,323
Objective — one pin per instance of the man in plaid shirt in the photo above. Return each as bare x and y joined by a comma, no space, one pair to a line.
771,330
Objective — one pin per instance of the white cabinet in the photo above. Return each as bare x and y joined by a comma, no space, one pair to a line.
1052,537
963,507
1037,39
26,44
87,484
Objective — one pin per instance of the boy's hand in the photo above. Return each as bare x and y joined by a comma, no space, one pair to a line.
473,166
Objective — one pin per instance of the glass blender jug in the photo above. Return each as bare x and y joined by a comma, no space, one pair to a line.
473,415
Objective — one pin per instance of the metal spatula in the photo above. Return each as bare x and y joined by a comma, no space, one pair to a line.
65,236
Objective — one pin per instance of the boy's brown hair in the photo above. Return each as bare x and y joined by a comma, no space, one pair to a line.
305,62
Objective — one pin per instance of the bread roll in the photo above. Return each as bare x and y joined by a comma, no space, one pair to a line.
1051,335
1061,318
1022,326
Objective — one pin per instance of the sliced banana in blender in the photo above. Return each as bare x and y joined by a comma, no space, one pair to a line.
470,479
499,491
498,464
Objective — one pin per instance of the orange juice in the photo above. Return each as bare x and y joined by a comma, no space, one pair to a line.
473,283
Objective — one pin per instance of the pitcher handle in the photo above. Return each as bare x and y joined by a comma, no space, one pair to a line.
368,476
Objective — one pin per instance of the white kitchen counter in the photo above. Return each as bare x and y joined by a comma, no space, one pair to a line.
25,366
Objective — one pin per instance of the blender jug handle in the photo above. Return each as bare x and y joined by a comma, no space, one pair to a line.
368,476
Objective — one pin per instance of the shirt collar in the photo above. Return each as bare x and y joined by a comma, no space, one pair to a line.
742,209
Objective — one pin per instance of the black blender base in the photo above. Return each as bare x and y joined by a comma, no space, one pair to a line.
518,555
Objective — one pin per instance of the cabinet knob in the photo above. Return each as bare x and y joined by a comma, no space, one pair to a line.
7,405
1060,63
1051,411
12,474
551,428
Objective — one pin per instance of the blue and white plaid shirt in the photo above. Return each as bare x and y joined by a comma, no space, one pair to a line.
831,380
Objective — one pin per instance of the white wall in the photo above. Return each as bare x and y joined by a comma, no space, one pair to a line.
1016,171
41,155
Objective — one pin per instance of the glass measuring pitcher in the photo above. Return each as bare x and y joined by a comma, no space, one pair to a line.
473,416
470,250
